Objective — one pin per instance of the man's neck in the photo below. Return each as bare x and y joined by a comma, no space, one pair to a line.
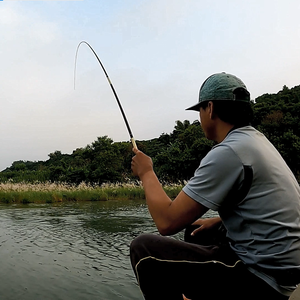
223,129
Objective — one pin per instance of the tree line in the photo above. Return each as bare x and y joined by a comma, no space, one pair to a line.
175,155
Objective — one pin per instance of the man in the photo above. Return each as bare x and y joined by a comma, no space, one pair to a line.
257,197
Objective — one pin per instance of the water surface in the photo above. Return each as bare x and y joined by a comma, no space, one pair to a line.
70,251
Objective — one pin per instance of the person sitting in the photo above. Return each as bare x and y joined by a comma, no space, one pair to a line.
252,249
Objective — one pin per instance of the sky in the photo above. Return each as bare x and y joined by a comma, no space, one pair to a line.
157,53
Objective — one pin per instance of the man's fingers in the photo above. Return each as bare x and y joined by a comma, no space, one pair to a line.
135,150
196,230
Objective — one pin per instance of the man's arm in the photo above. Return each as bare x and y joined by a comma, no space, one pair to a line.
169,216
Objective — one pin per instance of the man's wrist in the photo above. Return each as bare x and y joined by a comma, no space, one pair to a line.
146,175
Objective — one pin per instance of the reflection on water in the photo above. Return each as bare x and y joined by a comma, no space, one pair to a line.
70,251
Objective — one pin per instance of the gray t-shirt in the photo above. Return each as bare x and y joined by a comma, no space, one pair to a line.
264,227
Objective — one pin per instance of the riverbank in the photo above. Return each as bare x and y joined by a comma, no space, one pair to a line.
49,192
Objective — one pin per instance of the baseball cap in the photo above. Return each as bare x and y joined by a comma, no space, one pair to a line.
222,86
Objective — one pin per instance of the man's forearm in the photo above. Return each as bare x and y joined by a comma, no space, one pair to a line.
170,216
157,200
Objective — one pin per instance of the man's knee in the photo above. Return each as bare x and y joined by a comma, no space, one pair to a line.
141,240
140,247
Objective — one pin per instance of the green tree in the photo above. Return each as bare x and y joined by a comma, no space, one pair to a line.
106,165
178,161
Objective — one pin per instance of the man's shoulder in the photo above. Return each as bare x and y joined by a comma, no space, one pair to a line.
245,137
241,144
244,132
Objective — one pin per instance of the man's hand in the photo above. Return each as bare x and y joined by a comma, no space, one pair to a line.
141,163
206,224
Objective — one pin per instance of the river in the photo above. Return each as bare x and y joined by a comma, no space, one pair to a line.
70,251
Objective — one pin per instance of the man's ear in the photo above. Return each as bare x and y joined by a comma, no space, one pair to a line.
211,111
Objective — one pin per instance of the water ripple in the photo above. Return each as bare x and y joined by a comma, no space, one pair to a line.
74,251
70,251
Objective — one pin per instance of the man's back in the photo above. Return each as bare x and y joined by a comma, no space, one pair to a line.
265,227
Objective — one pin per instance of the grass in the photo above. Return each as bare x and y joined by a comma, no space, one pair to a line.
49,192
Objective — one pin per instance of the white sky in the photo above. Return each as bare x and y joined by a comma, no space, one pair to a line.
157,54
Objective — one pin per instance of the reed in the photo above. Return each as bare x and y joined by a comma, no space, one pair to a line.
50,192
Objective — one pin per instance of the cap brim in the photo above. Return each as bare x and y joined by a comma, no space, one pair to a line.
195,107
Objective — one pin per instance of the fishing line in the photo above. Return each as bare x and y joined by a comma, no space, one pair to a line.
112,87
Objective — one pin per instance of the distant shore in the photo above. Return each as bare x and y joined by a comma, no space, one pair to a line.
49,192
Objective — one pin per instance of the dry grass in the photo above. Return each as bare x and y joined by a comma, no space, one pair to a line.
50,192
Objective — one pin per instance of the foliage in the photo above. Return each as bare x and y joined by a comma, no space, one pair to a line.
278,116
187,146
175,155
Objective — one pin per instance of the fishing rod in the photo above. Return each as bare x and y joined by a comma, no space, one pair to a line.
112,87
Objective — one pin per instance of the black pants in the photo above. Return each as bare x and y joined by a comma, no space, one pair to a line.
166,268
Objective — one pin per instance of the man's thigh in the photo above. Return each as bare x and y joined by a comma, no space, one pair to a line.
167,268
174,268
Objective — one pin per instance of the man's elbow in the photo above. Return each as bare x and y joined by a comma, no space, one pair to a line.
166,230
163,231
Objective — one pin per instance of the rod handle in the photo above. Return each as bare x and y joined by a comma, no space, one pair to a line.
133,143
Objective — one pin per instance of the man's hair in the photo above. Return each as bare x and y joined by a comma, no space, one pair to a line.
237,113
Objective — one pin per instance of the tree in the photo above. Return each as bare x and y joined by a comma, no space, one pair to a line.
178,161
106,165
175,155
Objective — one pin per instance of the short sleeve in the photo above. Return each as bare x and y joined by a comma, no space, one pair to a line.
219,172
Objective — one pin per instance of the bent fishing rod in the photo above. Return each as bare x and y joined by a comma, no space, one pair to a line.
112,87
